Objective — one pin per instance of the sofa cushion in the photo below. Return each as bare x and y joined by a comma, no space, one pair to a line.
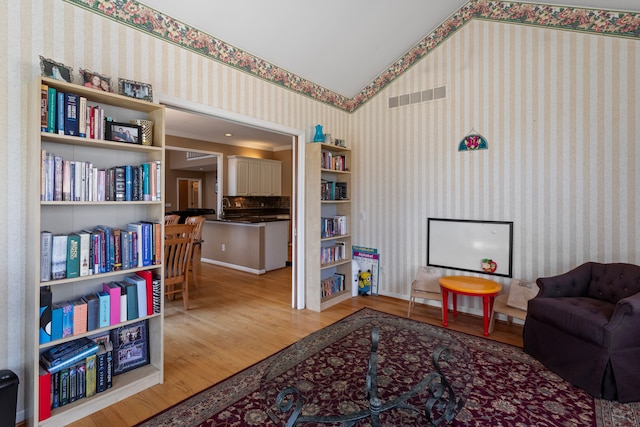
612,282
578,316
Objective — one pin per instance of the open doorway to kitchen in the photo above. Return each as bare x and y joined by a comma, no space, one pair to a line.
188,113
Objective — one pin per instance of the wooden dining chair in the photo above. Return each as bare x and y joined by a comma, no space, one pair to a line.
178,245
198,222
171,219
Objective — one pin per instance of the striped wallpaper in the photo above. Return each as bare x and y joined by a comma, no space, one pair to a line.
561,114
560,111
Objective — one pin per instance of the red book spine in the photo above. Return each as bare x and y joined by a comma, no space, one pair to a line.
44,395
92,122
148,278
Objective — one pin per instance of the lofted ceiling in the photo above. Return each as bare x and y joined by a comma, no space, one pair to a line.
341,45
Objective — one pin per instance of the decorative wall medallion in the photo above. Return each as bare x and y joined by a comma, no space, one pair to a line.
473,142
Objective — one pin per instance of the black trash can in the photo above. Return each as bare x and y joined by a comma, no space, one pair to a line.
8,398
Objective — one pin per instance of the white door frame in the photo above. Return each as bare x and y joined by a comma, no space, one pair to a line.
298,197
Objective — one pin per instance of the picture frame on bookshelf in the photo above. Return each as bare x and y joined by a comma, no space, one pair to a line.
135,89
55,70
130,347
123,132
102,338
95,80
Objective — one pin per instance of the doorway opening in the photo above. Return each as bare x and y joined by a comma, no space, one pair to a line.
296,137
189,193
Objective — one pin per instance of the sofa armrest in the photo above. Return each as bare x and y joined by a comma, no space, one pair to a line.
574,283
622,329
626,315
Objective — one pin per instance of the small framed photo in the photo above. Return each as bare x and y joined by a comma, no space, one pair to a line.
135,90
95,80
123,132
55,70
130,347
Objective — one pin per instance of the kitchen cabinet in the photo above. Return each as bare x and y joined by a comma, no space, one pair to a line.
254,177
271,178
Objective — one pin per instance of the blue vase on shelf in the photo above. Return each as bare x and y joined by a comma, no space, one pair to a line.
319,136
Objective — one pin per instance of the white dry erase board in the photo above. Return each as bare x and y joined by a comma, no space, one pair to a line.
468,245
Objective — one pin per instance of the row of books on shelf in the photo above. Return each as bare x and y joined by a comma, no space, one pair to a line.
99,250
70,114
334,253
332,285
332,161
333,226
90,372
330,190
86,366
135,296
79,181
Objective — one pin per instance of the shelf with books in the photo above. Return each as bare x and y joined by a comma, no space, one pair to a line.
336,237
335,263
83,211
97,143
328,253
106,202
99,276
94,332
74,173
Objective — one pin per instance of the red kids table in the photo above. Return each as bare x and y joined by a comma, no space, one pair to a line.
470,286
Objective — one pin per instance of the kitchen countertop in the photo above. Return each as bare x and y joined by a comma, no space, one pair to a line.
250,219
249,243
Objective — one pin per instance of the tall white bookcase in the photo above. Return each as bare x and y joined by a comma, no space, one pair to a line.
65,217
328,253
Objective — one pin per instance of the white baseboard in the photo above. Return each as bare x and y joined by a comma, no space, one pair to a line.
234,266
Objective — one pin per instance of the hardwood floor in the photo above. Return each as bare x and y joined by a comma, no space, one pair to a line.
237,319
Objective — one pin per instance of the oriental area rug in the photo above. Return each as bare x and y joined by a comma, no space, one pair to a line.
418,366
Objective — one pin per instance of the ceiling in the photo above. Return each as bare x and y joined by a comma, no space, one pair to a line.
341,45
203,127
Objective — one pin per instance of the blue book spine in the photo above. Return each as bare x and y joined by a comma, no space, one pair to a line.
93,311
128,186
67,319
74,359
146,189
146,244
56,322
52,102
71,115
105,309
60,109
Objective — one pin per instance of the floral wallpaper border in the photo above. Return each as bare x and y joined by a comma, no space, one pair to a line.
146,19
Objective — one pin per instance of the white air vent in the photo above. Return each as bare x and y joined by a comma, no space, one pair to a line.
191,155
418,97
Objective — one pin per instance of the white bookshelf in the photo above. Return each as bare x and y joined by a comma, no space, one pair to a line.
316,209
69,217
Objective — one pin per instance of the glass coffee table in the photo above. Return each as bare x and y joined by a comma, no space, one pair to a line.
386,371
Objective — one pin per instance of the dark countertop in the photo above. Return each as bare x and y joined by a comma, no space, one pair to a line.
253,219
206,212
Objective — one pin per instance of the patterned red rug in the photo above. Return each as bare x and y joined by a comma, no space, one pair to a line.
498,384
